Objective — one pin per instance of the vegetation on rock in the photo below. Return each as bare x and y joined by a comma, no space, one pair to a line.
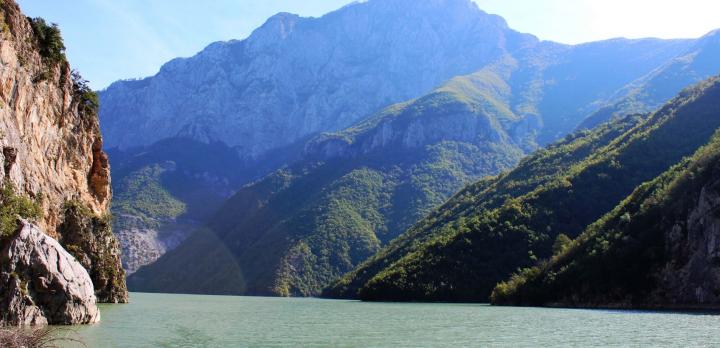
50,42
14,206
90,240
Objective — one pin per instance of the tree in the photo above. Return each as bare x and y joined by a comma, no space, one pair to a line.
561,243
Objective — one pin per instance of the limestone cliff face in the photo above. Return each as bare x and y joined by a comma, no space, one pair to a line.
52,147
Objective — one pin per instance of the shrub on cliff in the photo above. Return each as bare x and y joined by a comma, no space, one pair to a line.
49,39
13,206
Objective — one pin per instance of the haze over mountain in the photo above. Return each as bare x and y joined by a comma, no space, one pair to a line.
697,63
473,97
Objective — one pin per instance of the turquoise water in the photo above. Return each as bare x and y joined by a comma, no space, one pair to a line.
160,320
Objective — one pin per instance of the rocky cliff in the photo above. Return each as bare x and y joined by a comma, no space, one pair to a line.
52,147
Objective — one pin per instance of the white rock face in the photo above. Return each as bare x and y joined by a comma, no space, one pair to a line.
298,76
41,283
143,243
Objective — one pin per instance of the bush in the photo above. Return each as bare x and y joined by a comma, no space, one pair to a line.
49,39
40,337
13,206
561,243
88,99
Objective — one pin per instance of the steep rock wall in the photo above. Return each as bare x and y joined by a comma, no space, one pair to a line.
52,146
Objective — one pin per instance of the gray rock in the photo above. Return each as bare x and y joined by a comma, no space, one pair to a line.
692,275
144,242
41,283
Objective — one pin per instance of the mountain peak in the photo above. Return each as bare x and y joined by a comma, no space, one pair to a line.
431,8
278,26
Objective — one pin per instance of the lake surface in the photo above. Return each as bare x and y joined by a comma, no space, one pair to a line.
161,320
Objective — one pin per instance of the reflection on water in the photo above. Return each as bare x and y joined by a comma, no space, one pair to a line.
160,320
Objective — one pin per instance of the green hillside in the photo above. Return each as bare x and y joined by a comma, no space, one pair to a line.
484,233
650,251
298,229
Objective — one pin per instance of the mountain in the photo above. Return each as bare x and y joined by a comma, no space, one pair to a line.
534,93
697,63
656,249
55,174
296,230
490,229
298,76
264,96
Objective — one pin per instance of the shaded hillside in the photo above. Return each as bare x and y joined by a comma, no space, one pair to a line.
471,247
165,191
656,249
294,231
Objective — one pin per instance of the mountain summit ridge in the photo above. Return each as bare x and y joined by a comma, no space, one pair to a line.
296,76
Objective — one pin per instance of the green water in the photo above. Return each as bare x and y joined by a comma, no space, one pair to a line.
159,320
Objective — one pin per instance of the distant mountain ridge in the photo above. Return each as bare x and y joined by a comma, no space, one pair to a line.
298,76
693,65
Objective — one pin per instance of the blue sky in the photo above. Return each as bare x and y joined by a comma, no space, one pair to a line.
109,40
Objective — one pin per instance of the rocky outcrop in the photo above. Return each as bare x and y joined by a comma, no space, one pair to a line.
90,239
691,277
52,146
41,283
143,243
399,132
